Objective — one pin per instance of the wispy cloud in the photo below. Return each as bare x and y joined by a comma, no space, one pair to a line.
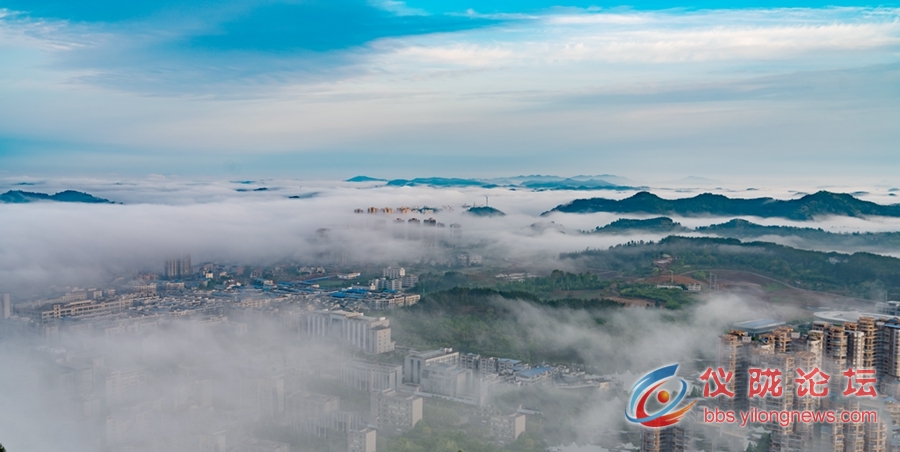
363,78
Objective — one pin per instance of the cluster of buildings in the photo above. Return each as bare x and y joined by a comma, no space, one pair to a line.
140,404
394,279
429,229
852,342
403,210
470,378
468,260
398,391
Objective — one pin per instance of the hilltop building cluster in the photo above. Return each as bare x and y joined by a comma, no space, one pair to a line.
405,227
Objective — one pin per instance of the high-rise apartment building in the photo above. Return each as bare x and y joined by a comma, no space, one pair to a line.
876,437
807,361
780,434
854,432
834,357
887,349
668,439
734,357
178,268
866,325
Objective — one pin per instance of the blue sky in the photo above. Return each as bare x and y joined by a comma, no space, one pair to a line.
319,89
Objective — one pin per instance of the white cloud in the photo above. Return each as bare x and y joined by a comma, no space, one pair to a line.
397,7
681,81
660,37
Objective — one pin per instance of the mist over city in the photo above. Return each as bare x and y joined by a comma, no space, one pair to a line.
281,314
449,226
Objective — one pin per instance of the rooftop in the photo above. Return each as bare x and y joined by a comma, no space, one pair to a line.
846,316
758,325
534,372
434,353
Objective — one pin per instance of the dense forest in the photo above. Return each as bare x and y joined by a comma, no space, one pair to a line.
485,321
556,281
628,226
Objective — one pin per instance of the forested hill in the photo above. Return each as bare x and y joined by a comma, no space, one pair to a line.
853,274
808,207
630,226
18,196
485,211
740,229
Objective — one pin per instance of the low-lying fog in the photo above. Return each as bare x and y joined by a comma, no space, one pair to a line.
184,385
236,221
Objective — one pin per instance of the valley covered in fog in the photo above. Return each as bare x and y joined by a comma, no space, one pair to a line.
285,315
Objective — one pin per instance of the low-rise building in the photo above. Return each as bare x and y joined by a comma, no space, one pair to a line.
409,281
310,413
386,284
363,440
369,377
369,334
449,380
75,309
125,385
536,375
263,445
416,362
392,412
508,366
481,365
385,302
507,428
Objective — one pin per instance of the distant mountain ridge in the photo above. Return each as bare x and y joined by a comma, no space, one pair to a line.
742,229
572,184
365,179
439,182
806,208
19,197
534,182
